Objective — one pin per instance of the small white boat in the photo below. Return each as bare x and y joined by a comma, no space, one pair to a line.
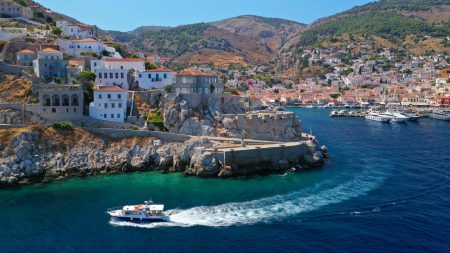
147,212
378,117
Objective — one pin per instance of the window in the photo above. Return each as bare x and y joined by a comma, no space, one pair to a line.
95,64
120,105
140,75
105,116
165,76
149,75
99,96
109,96
118,115
112,116
111,75
113,105
117,75
106,105
121,75
100,76
105,75
74,109
119,96
53,110
67,109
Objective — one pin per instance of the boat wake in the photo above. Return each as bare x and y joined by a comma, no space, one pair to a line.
270,209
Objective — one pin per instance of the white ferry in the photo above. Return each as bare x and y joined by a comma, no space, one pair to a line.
147,212
378,117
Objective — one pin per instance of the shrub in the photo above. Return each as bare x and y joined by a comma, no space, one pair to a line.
62,125
156,119
28,92
134,128
168,88
57,31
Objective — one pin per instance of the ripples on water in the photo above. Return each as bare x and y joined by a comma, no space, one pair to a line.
383,185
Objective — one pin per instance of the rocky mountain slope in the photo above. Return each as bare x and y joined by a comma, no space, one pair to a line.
241,40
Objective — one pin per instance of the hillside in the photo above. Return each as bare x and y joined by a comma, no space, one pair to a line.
393,20
242,40
418,26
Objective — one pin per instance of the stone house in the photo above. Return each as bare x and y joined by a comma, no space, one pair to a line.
50,63
74,30
9,33
192,81
154,78
12,9
75,47
60,102
26,57
115,71
110,103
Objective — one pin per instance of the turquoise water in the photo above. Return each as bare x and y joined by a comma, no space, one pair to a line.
384,188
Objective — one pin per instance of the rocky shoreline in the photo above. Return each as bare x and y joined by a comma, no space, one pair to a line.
43,154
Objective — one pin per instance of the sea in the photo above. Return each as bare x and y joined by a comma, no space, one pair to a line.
384,188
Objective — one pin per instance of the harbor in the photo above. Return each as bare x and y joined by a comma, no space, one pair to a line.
390,115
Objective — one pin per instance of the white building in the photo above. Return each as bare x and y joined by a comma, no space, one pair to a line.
74,30
9,33
110,103
154,78
116,72
75,47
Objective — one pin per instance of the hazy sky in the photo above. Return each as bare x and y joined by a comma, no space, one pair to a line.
125,15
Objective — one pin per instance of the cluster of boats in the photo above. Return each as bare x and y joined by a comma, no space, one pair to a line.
392,116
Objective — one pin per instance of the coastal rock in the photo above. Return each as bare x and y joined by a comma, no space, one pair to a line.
203,164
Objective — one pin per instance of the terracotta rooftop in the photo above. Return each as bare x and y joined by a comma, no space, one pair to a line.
50,50
76,62
124,60
109,88
82,40
160,70
26,51
191,72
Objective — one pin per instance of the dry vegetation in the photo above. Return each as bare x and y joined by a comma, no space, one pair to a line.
14,89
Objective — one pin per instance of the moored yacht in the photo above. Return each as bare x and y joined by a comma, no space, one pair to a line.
396,117
378,117
147,212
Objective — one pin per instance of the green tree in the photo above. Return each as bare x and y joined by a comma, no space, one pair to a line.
57,31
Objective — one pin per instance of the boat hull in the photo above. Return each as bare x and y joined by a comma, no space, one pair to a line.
139,220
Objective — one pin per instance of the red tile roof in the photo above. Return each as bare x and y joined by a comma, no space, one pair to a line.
109,88
191,72
27,51
160,70
124,60
82,40
50,50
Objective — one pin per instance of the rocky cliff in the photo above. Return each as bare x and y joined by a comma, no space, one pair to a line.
43,154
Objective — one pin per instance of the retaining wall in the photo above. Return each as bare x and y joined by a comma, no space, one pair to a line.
248,156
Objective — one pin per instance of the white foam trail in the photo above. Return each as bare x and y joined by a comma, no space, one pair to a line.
271,208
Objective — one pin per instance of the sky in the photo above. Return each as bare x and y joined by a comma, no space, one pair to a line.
126,15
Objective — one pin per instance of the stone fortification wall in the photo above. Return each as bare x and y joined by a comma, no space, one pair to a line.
264,125
127,133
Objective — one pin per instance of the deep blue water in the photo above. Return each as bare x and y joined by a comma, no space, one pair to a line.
385,188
